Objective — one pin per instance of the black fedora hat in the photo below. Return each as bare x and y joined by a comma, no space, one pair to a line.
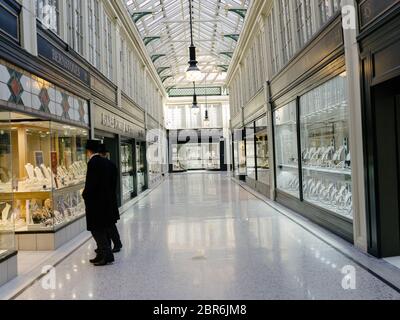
102,148
93,145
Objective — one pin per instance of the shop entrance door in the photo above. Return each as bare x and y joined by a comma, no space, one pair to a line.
112,146
383,167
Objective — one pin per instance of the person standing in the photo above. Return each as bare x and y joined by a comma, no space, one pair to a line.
99,201
113,233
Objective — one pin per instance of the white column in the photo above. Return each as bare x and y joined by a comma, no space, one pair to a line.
28,27
356,135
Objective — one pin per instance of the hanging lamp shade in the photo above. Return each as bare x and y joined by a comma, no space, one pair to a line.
193,73
206,120
195,105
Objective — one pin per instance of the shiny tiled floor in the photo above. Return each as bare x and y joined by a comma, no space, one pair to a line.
201,236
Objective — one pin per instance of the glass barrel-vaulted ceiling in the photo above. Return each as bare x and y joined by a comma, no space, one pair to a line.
164,27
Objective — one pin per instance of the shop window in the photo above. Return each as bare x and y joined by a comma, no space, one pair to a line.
47,11
239,152
250,152
127,170
325,149
262,152
287,165
48,170
6,200
141,167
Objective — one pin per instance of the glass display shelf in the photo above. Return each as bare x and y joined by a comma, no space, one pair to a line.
346,172
46,210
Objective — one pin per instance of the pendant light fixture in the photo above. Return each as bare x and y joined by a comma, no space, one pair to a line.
195,105
193,72
206,117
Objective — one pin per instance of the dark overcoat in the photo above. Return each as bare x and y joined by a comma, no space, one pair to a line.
100,194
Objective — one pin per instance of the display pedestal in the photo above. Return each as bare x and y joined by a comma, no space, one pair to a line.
8,267
49,240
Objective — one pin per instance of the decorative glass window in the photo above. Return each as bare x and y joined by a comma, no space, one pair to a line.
273,42
75,25
108,47
286,30
122,62
327,8
303,21
94,32
47,11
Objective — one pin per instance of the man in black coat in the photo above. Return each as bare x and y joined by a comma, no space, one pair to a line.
113,233
100,202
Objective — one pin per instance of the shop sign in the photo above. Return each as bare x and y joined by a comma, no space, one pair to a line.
118,124
47,50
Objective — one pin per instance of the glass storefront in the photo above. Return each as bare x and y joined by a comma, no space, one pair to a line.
287,167
239,153
7,242
250,151
325,153
127,169
324,128
196,156
262,151
141,167
43,182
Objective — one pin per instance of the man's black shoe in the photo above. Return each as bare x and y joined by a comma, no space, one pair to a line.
97,259
117,249
104,262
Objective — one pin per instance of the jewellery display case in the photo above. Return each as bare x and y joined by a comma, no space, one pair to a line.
326,159
250,152
287,167
127,170
48,173
262,152
7,237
